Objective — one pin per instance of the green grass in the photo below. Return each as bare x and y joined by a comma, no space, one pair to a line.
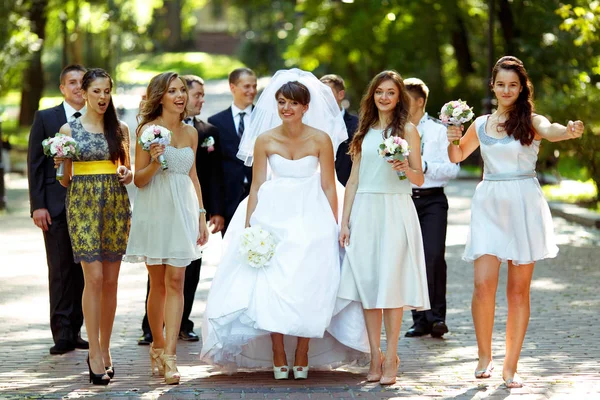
139,69
574,192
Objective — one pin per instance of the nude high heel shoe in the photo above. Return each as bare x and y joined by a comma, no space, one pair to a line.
375,377
172,375
155,360
390,380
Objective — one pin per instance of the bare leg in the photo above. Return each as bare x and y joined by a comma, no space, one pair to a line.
517,293
174,280
156,304
91,302
301,356
109,307
483,306
392,318
373,319
279,358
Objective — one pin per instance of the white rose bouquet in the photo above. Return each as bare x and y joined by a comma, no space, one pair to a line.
257,246
456,112
395,148
159,135
62,146
208,144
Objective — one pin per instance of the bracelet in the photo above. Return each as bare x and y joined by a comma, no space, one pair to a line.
426,167
202,210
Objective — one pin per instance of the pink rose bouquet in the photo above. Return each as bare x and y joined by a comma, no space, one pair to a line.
456,112
62,146
156,134
395,148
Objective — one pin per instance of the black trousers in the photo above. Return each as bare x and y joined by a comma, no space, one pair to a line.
433,217
65,282
192,277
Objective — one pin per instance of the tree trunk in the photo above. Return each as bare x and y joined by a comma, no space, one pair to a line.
509,29
33,76
173,24
460,43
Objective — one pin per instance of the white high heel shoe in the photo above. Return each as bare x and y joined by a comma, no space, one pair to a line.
282,372
300,372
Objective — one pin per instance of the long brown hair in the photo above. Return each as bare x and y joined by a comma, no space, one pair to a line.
115,137
519,123
150,107
369,114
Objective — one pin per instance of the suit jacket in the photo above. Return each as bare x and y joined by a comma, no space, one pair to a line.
209,165
234,169
343,162
44,190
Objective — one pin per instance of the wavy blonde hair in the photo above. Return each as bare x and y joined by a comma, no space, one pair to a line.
369,114
150,107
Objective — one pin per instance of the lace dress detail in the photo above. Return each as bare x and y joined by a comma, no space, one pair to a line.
98,207
165,223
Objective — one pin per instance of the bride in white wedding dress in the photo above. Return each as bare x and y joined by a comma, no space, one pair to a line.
255,318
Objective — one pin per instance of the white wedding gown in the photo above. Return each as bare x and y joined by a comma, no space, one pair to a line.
295,294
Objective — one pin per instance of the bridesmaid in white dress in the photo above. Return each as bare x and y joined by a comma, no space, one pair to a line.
255,317
169,221
510,219
384,267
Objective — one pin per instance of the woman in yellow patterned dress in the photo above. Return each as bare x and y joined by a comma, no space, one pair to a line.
98,212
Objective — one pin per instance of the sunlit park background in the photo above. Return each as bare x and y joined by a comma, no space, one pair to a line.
447,43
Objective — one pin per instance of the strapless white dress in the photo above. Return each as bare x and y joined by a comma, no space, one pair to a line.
295,294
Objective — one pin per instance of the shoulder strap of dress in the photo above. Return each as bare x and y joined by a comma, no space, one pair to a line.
480,123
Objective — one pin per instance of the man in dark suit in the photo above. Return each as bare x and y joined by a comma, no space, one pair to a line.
343,162
231,124
47,201
209,165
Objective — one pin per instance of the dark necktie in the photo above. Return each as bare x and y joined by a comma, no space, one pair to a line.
76,115
241,126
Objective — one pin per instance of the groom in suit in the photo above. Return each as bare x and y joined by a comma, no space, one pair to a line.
231,124
343,162
47,201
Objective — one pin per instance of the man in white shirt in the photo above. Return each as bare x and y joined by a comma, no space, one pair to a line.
231,124
432,207
47,201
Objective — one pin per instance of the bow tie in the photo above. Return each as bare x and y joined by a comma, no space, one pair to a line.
188,121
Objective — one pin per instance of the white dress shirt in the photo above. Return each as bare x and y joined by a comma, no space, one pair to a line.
69,111
235,111
434,152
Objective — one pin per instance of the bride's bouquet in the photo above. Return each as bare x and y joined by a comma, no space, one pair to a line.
456,112
257,246
159,135
395,148
62,146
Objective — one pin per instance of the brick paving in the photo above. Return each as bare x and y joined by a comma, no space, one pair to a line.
560,358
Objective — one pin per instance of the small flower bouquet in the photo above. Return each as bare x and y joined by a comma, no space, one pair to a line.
257,246
159,135
395,148
456,112
60,146
208,144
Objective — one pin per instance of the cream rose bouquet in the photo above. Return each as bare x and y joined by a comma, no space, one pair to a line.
156,134
395,148
257,246
62,146
456,112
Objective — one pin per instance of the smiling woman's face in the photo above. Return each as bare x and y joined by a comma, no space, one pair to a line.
175,98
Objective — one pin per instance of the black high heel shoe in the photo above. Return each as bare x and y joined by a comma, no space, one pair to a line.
96,379
110,371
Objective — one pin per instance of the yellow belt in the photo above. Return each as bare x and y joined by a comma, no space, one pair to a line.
94,167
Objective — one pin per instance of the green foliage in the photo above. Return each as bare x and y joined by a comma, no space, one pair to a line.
139,69
572,192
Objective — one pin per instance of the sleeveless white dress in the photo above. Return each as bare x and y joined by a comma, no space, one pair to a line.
510,218
295,294
165,222
384,266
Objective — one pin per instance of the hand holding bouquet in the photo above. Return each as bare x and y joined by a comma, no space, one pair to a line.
159,135
395,148
257,246
60,146
456,112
